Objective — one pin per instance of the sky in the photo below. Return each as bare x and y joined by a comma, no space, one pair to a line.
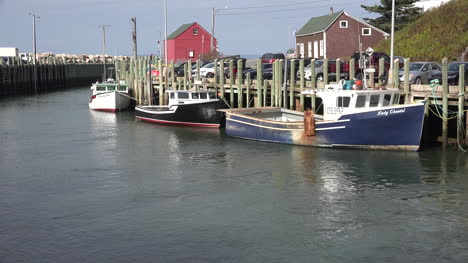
241,26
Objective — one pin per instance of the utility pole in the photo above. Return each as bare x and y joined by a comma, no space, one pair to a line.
104,77
134,38
34,16
390,72
213,12
165,31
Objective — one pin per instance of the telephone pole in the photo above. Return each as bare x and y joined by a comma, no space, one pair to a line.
213,12
104,77
34,16
134,38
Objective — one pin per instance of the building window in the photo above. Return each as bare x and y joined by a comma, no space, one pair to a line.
366,31
195,31
343,24
309,49
191,54
301,50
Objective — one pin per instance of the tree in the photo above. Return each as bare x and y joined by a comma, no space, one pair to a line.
405,12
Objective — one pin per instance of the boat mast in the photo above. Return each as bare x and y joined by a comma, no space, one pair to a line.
104,77
165,31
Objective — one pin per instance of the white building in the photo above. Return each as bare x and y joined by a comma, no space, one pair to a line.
427,4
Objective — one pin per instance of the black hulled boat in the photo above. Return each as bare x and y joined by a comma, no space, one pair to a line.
185,107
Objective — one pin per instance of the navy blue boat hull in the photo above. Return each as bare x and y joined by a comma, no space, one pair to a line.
399,128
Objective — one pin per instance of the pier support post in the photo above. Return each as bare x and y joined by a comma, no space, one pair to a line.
406,86
215,67
185,75
231,83
396,75
161,88
325,71
352,69
338,70
221,78
461,102
292,83
302,81
259,83
189,72
273,84
197,75
172,74
265,92
247,84
239,84
382,72
279,84
444,103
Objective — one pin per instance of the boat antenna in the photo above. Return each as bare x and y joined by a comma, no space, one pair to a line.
104,77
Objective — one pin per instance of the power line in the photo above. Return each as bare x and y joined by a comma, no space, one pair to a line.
269,11
269,6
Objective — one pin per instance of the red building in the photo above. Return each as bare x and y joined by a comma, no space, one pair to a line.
189,42
336,35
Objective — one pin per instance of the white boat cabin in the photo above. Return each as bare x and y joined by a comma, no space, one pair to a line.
109,86
340,102
190,96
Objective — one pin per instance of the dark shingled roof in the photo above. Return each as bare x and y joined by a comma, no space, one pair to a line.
179,31
318,24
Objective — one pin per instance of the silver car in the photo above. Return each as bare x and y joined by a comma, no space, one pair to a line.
421,72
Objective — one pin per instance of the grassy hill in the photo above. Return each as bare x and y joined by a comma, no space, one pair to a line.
440,32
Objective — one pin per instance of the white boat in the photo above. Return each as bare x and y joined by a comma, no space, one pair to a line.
109,96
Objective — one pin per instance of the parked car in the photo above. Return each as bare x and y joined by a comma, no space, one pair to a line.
266,71
453,73
319,77
270,57
420,72
180,68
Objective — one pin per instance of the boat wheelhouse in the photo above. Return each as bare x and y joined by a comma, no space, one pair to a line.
185,107
109,96
371,119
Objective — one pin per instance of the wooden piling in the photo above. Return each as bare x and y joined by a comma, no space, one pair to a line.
239,84
302,81
292,83
161,88
406,86
352,69
221,77
444,103
197,75
189,68
259,83
185,76
381,71
325,72
338,70
396,74
265,92
247,84
279,94
231,83
215,67
172,74
273,84
461,102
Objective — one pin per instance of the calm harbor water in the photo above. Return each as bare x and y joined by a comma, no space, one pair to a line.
84,186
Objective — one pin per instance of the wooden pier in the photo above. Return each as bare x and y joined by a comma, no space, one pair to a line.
239,91
51,74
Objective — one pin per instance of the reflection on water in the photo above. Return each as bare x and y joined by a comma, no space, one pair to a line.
81,185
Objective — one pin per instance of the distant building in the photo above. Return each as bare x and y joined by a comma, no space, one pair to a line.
189,42
336,35
428,4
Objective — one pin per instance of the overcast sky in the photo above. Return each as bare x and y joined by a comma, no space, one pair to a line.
241,27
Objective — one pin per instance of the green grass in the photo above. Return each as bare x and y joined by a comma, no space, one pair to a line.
439,33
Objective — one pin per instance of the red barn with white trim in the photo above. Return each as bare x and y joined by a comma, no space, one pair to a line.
189,42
